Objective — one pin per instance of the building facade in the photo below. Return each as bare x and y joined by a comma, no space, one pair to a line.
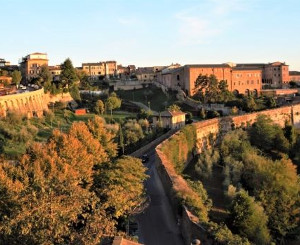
30,65
239,80
170,119
100,69
295,76
55,72
3,63
275,75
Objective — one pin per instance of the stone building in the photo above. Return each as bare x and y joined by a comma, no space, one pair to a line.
240,80
55,72
30,65
100,69
3,63
145,74
295,76
170,119
125,72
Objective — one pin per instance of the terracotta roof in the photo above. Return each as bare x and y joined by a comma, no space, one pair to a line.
144,70
39,53
208,65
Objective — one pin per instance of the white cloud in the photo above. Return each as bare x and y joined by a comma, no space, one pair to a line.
208,20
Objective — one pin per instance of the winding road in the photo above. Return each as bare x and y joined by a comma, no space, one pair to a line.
157,224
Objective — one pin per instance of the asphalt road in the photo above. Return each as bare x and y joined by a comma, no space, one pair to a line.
157,225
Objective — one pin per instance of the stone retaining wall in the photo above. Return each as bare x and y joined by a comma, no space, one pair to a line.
27,103
208,131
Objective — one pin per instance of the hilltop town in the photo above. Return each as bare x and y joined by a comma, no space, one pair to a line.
174,154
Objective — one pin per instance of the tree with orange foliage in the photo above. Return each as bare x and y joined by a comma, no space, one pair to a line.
48,197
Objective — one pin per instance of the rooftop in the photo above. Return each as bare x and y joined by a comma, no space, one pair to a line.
207,65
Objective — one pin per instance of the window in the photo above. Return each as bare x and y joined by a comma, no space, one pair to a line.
178,78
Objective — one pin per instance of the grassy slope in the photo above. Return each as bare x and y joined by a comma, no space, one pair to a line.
158,100
45,127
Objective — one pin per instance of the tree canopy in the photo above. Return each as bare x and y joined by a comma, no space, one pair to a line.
209,90
16,77
68,74
69,190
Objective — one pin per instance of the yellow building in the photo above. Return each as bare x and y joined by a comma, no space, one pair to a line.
170,119
30,65
100,69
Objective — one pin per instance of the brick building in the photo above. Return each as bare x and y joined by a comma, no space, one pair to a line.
274,74
30,65
295,76
100,69
240,80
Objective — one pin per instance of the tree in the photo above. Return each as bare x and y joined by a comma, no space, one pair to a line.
68,74
50,199
105,134
113,102
99,107
174,107
45,78
249,104
16,77
205,162
121,185
209,90
143,114
74,92
268,136
121,140
132,132
248,219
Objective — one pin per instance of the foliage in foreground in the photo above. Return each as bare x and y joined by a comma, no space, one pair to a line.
53,195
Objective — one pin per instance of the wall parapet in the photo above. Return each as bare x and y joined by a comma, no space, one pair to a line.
30,104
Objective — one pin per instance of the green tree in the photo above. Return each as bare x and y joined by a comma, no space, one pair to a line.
120,186
249,104
268,136
112,102
68,74
248,219
209,90
99,107
45,78
174,107
205,162
16,77
74,92
132,132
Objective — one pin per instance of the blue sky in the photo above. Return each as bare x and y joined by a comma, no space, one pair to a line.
152,32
